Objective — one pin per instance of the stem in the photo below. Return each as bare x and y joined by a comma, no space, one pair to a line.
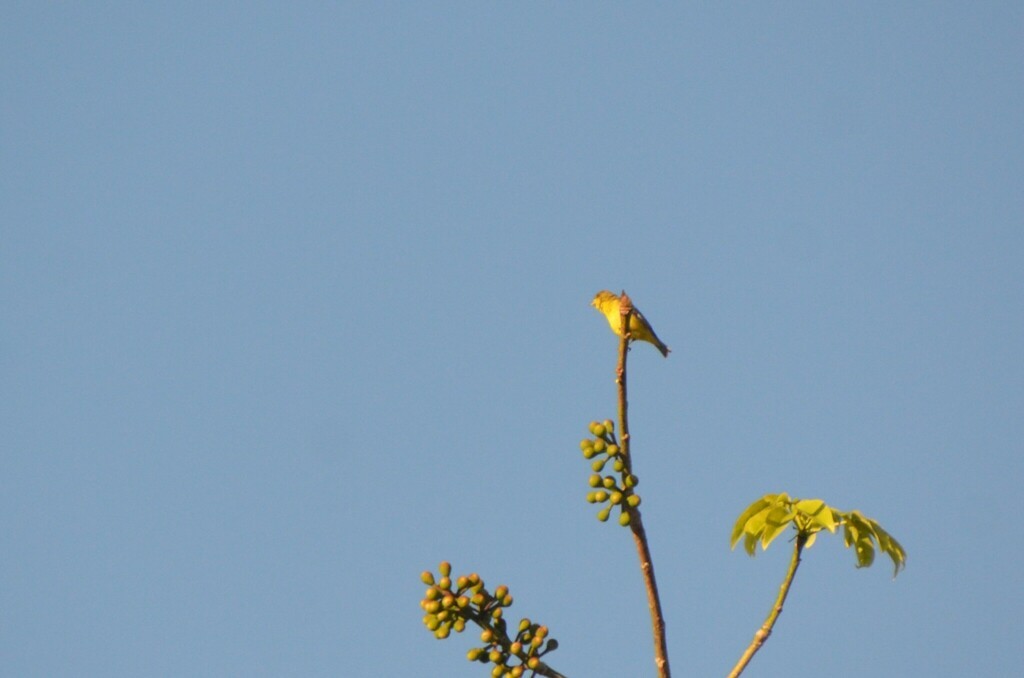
636,523
485,622
766,629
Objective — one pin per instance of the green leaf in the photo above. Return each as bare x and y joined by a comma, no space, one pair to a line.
741,523
809,506
890,546
775,522
865,552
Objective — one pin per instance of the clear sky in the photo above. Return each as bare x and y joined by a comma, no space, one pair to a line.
295,304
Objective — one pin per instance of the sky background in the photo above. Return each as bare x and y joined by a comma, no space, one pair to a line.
295,305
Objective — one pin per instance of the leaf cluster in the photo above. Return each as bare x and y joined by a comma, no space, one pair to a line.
768,517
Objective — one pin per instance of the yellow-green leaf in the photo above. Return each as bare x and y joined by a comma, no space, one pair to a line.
741,523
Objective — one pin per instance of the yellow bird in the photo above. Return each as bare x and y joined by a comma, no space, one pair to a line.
608,303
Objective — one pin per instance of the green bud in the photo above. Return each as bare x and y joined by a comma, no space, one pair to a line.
608,482
427,578
603,514
599,445
615,498
618,465
597,430
445,568
609,424
443,632
601,495
633,500
598,465
445,583
624,519
613,450
474,654
594,480
524,624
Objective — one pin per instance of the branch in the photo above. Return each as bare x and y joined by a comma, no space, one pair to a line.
636,523
766,629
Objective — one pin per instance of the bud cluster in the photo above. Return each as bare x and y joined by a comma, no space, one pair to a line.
611,490
449,605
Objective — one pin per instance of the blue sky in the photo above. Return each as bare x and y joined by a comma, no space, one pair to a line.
295,305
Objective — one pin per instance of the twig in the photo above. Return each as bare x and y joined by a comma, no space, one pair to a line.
636,523
766,629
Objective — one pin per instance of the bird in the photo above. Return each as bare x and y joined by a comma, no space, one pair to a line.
608,303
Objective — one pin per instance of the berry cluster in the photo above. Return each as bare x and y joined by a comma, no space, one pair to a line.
449,607
613,491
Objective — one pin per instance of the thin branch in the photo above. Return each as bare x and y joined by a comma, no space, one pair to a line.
636,523
766,629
